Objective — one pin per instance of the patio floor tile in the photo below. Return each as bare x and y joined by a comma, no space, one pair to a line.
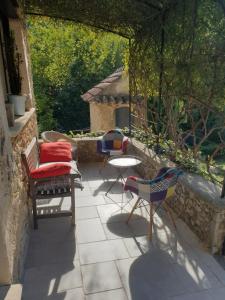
112,213
102,251
89,200
50,253
109,295
87,212
49,279
90,230
118,198
117,230
77,294
124,266
100,277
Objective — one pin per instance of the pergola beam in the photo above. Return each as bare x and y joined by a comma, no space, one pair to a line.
80,22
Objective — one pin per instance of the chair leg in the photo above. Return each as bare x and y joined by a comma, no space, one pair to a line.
133,209
103,164
73,202
150,222
105,161
170,214
34,206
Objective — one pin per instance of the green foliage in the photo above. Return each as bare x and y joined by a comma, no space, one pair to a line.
67,60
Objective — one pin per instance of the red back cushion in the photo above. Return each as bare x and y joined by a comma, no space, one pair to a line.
53,152
51,170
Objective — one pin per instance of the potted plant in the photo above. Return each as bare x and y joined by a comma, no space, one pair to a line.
14,60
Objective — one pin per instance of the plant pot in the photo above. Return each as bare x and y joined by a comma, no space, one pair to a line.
10,113
19,104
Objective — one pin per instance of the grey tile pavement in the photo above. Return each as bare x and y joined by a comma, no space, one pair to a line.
102,251
90,230
118,294
100,277
104,258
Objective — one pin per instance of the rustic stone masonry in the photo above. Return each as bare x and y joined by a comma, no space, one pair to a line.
5,193
18,215
87,150
197,201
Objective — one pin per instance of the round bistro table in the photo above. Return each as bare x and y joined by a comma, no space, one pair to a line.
122,163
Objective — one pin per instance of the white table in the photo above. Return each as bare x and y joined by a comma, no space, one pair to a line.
122,163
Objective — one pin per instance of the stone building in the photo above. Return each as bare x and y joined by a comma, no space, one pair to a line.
14,205
109,102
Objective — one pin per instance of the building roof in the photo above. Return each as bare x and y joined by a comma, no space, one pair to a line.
97,95
98,89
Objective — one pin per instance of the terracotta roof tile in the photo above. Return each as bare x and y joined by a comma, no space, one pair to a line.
96,90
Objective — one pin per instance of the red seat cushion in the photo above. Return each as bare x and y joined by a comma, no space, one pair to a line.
53,152
51,170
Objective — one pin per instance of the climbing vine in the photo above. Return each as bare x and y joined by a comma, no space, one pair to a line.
176,62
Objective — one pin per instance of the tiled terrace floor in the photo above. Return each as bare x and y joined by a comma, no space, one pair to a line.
104,259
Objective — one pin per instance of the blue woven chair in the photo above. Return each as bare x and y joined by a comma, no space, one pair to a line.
154,191
113,142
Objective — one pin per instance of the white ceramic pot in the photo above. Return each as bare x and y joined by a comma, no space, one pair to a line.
19,104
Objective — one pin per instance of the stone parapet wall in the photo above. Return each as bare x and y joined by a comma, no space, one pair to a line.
18,214
197,201
87,150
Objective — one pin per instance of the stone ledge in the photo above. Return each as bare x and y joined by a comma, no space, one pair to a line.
206,190
20,123
203,188
86,138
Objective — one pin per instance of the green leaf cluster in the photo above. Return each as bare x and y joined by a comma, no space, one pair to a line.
67,60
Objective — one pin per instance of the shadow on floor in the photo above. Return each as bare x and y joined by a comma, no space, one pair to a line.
51,261
156,276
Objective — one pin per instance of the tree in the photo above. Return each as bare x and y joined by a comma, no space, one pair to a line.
67,60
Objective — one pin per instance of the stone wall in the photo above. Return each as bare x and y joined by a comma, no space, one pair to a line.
14,202
102,116
87,150
197,201
18,215
5,196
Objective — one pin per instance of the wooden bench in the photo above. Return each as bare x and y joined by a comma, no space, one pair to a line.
50,187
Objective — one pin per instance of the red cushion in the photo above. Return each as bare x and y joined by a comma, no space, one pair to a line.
51,170
53,152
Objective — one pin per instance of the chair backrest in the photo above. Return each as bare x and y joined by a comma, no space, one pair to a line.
30,156
54,136
110,137
163,185
113,134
